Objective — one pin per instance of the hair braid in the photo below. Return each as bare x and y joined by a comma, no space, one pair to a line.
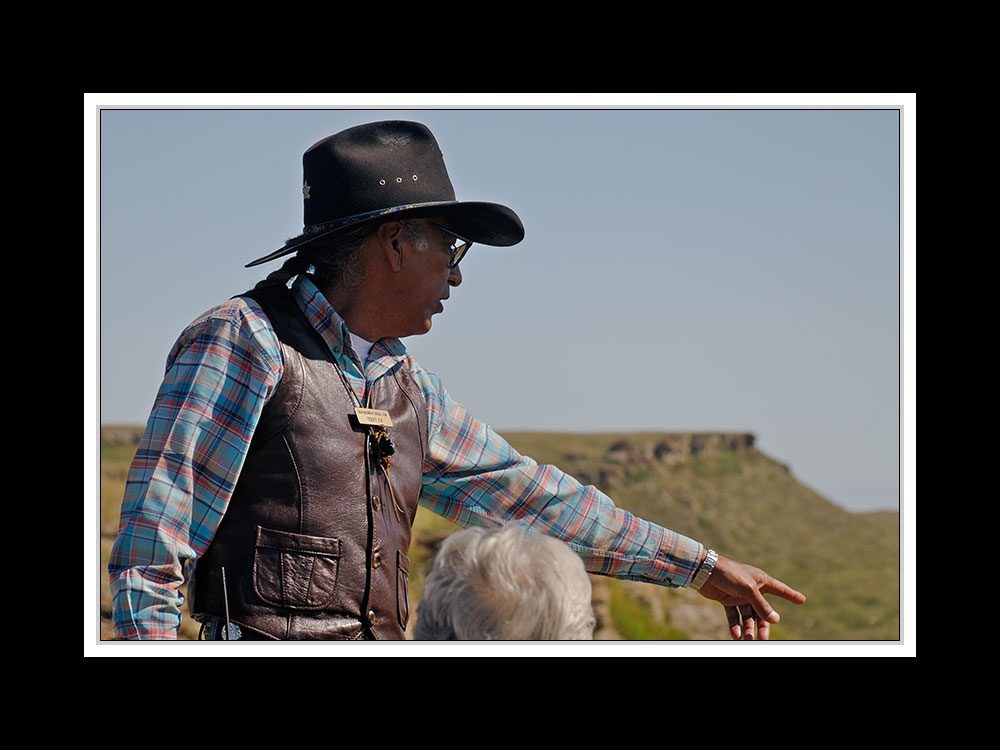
336,258
292,267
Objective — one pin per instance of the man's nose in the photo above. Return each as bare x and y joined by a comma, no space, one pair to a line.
455,277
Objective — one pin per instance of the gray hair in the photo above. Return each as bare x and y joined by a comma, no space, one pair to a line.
505,584
336,259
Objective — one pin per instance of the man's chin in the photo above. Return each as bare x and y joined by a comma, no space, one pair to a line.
420,330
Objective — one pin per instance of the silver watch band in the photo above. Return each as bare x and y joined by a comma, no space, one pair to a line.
705,569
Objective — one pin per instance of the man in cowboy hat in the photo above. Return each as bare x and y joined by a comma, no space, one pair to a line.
293,435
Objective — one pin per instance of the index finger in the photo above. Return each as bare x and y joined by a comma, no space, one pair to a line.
774,586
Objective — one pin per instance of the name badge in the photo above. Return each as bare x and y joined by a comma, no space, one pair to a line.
373,417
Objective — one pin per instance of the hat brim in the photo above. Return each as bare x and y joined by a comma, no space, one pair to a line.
482,223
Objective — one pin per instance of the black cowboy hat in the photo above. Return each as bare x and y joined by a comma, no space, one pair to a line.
393,168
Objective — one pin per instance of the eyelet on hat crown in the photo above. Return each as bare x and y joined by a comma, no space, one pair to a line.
398,180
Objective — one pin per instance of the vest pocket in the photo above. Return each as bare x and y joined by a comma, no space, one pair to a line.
295,571
402,588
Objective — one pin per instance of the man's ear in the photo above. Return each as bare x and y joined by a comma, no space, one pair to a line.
389,236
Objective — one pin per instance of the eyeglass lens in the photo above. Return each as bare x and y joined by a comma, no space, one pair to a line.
459,246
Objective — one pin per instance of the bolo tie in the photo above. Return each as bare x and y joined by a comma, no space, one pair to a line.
381,449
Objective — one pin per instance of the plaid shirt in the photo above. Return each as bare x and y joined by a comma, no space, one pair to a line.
220,374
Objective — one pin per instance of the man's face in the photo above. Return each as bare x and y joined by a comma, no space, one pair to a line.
425,279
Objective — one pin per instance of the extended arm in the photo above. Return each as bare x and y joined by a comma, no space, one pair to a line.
472,476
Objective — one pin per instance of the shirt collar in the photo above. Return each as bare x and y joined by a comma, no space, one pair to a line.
331,327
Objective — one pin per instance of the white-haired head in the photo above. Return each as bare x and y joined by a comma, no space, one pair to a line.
505,584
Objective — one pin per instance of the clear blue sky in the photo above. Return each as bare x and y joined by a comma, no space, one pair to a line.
683,269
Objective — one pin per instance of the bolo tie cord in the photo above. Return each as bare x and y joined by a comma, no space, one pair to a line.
379,462
392,495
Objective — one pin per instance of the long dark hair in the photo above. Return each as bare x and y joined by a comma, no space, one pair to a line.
335,259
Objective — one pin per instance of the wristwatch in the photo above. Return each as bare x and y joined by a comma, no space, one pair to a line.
705,569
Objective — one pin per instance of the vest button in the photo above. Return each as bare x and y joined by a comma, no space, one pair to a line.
376,559
376,502
371,616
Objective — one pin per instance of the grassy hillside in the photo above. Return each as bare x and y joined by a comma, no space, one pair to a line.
749,507
717,489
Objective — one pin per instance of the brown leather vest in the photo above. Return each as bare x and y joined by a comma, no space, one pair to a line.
313,543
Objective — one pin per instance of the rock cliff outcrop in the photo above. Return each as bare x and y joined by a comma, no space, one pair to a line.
677,446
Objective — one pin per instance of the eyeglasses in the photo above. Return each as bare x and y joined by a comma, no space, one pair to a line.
458,248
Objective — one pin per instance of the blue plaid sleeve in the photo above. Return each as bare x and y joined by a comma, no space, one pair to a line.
218,376
472,476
